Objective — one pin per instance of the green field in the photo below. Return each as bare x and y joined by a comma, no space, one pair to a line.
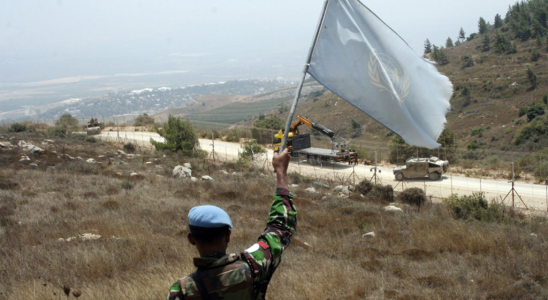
236,112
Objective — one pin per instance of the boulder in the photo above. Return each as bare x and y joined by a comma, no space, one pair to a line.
24,158
311,190
224,172
91,161
193,179
351,188
34,165
323,185
235,174
5,144
120,152
207,178
182,172
391,208
187,165
134,174
148,163
338,188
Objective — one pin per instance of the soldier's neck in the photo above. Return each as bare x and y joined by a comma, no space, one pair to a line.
210,250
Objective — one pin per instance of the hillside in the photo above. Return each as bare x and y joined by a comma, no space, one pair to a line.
115,227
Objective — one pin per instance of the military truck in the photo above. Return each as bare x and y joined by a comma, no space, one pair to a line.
93,127
432,167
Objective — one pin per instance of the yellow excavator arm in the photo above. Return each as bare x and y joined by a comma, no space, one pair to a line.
294,131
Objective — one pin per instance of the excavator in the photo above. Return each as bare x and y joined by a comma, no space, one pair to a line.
300,146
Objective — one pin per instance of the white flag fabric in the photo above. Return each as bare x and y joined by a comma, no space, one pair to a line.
362,60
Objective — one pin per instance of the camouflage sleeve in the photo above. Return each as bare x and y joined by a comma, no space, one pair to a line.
265,256
175,292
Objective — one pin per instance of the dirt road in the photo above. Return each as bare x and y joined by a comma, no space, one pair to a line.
534,196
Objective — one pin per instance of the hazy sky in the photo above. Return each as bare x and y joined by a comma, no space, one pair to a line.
44,39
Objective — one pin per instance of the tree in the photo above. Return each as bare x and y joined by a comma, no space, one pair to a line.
144,120
532,77
250,149
498,21
68,121
486,43
283,108
449,43
179,135
264,129
535,55
462,35
482,26
427,47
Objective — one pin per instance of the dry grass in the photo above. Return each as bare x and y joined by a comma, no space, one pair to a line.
142,251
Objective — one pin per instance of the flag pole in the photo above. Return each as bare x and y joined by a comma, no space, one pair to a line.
305,71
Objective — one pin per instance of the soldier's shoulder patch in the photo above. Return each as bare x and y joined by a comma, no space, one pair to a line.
257,246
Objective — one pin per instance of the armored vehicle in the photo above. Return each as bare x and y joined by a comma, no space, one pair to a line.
432,167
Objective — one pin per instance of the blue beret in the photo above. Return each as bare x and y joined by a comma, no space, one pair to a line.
208,216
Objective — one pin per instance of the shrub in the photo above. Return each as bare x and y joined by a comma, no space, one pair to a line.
179,135
412,196
250,149
144,120
68,121
296,178
232,137
473,207
364,187
535,110
382,192
478,131
129,147
57,131
474,145
17,127
126,185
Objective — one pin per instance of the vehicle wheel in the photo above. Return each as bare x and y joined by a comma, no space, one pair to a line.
399,176
434,176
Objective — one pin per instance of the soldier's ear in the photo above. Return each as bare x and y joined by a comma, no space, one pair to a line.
227,236
191,239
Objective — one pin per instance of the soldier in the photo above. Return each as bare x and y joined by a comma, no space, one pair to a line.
237,276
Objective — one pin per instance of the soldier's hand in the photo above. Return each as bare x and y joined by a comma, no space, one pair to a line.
280,161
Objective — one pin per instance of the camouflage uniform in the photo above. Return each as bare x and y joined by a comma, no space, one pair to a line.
246,275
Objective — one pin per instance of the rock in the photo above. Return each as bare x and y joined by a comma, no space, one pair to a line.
311,190
369,235
193,179
187,165
35,149
24,158
534,235
60,239
70,157
101,156
34,165
235,174
224,172
148,163
79,158
182,172
294,185
158,167
130,156
89,236
343,195
342,189
134,174
207,178
120,152
338,188
5,144
91,161
351,188
391,208
317,183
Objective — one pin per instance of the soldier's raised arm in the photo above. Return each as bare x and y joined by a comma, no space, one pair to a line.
265,256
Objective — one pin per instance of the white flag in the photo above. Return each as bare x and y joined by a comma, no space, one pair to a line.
362,60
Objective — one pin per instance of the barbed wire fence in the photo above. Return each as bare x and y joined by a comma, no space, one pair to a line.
119,129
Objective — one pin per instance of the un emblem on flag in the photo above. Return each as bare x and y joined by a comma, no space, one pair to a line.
397,77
